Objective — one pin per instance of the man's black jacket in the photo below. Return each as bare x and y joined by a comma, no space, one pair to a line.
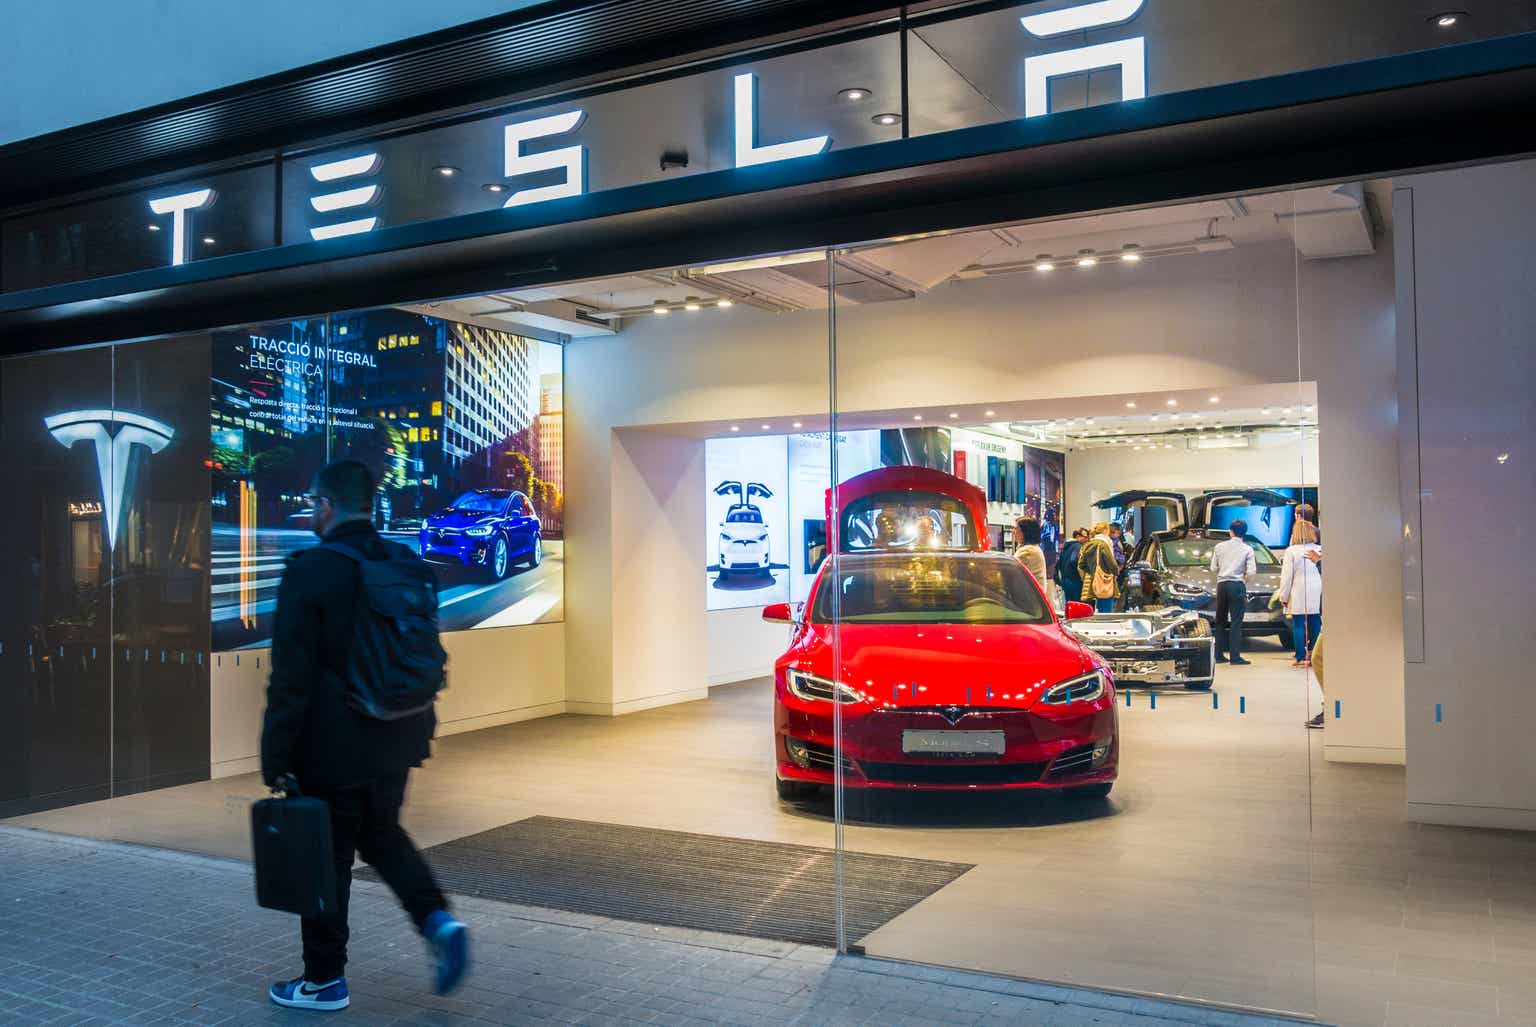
309,730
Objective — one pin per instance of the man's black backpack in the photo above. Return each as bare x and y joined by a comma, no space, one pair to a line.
395,662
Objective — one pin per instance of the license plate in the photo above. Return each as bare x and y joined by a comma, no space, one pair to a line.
953,743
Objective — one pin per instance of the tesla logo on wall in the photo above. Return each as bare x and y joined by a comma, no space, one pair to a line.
114,433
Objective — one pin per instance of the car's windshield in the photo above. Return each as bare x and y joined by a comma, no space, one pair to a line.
930,588
1196,552
480,502
744,517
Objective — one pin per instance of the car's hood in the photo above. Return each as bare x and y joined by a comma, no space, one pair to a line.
996,665
1264,581
743,530
1141,625
459,519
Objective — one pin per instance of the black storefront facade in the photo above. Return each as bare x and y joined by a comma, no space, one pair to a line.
472,161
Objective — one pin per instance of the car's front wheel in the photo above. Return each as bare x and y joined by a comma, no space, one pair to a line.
794,791
497,564
1084,793
536,554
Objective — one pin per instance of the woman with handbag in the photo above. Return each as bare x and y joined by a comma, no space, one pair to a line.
1100,570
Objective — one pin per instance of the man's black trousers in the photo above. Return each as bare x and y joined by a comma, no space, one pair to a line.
1231,604
365,821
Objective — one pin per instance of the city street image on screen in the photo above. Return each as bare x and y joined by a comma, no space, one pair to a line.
462,425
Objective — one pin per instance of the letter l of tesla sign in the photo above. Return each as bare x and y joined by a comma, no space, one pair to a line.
113,451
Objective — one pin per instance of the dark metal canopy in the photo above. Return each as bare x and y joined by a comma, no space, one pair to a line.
474,64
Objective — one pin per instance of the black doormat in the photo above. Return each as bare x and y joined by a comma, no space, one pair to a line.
733,885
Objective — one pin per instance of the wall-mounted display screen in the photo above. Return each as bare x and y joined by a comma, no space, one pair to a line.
462,425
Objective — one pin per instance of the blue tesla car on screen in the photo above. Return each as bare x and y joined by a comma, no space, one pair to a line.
485,528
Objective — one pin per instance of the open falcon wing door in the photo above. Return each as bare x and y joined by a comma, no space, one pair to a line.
908,509
757,490
1160,511
1201,507
733,488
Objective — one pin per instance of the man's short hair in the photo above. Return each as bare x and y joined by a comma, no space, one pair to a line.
348,484
1239,528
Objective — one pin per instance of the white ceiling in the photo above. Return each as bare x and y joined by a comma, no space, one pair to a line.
1324,222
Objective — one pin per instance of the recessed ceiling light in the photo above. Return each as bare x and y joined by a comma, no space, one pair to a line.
953,417
1215,399
1131,253
735,427
854,93
1173,402
795,425
724,303
1045,265
494,187
990,413
1086,258
917,417
767,427
886,119
153,228
209,240
446,170
1131,405
660,307
692,304
1447,19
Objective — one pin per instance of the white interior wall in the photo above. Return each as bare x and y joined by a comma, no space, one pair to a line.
1207,321
1470,311
740,646
495,676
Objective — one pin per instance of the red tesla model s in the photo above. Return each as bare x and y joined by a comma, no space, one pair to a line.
955,673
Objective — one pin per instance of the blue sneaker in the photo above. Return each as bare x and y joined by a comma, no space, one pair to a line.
449,939
302,994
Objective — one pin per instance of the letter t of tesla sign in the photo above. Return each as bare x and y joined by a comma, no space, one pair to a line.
1129,55
114,452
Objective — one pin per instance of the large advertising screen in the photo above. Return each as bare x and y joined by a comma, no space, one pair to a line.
462,426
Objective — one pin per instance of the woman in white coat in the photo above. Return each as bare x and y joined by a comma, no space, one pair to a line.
1301,589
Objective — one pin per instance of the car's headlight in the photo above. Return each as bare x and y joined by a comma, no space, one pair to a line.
479,531
1086,688
761,538
724,537
814,689
1189,591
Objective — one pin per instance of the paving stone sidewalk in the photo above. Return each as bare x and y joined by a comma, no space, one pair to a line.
98,933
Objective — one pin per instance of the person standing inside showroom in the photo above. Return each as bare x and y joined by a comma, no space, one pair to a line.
1067,574
1026,531
1234,565
1301,589
1100,571
312,735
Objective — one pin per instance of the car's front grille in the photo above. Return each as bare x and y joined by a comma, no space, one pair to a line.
1073,761
1258,602
953,773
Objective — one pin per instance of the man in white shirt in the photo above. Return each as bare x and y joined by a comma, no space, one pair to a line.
1233,564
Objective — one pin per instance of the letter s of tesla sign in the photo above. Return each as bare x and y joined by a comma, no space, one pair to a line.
1129,55
114,450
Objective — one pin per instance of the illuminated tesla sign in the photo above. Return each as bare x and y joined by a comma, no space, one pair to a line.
1129,55
114,433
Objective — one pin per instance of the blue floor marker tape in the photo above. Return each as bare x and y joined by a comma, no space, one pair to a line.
1242,704
1437,713
1338,706
1215,700
1153,696
1127,700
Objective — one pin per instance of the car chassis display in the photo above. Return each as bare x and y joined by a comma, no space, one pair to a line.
1162,646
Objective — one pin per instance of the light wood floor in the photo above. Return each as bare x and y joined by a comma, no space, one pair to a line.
1231,865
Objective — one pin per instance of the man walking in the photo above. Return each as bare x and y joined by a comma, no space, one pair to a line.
342,750
1233,564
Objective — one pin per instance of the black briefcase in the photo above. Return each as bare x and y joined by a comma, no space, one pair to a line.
291,842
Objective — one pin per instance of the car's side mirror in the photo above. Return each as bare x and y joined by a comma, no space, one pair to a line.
779,613
1078,611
